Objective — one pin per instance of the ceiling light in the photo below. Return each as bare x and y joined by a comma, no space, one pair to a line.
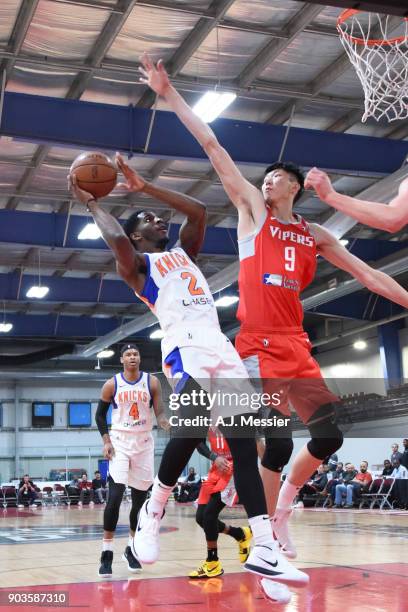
37,292
105,354
226,300
90,232
344,241
5,327
360,345
157,334
212,104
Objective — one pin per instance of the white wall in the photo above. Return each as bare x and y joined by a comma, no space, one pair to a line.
350,371
403,339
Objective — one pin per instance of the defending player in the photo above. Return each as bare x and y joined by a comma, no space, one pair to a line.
129,447
278,252
194,349
388,217
217,492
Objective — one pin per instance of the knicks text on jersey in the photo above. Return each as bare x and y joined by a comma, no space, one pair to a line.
177,292
131,404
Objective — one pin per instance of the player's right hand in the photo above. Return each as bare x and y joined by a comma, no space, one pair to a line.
134,182
108,450
155,77
80,194
223,465
319,181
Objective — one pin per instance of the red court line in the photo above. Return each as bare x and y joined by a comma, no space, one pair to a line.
369,588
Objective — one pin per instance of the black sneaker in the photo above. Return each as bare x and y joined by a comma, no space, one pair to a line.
105,569
132,562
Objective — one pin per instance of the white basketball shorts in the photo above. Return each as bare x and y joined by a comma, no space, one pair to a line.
133,462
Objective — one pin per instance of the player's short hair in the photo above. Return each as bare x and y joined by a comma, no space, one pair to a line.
132,222
127,347
292,169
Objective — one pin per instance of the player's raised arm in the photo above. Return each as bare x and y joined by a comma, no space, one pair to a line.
389,217
156,391
129,263
242,193
331,249
192,230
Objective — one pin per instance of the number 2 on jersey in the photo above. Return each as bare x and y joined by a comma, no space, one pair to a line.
134,411
290,256
192,285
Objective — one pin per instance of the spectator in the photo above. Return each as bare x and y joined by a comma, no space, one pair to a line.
339,471
337,477
388,468
26,492
99,487
361,482
399,470
85,488
395,453
316,485
342,486
189,487
404,459
332,462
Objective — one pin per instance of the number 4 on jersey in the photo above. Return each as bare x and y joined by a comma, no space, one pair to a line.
134,411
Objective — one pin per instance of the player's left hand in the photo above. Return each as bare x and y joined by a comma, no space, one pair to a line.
223,465
134,182
155,77
163,423
80,194
319,181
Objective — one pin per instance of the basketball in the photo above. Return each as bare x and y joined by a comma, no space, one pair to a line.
95,173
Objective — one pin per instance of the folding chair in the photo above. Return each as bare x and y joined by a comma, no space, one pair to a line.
384,496
9,495
61,496
371,496
47,498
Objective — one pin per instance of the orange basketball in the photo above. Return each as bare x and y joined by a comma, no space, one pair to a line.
95,173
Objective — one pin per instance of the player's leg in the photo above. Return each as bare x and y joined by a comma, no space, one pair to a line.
207,517
110,520
175,458
138,498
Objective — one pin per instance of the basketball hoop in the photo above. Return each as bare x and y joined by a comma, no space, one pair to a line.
380,60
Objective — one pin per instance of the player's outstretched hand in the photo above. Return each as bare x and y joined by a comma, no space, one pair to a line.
134,182
403,188
319,181
155,77
82,196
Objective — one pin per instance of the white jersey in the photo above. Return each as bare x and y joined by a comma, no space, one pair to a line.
177,292
131,402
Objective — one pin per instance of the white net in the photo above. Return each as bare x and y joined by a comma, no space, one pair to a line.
379,53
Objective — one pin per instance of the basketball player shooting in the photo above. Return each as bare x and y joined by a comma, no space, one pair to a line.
194,349
390,217
278,251
129,447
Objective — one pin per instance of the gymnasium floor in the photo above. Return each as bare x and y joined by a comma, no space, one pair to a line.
357,560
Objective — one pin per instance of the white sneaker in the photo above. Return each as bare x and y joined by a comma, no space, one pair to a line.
300,504
20,506
280,528
145,544
274,591
270,563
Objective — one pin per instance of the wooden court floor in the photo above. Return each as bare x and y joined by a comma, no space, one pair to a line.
357,560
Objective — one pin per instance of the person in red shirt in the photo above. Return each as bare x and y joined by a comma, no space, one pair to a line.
354,487
85,488
217,492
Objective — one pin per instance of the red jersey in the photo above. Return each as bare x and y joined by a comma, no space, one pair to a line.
276,264
218,444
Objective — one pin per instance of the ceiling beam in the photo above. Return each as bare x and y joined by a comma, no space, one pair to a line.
190,44
274,48
16,40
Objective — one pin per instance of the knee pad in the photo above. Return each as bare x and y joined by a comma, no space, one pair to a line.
326,438
277,453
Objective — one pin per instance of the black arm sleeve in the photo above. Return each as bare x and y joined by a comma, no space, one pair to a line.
100,417
205,451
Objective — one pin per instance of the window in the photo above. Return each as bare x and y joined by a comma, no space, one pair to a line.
79,414
42,414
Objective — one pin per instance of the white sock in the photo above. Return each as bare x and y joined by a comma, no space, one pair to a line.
130,540
261,529
107,545
287,494
158,499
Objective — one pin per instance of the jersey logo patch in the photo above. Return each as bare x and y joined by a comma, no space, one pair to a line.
277,280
